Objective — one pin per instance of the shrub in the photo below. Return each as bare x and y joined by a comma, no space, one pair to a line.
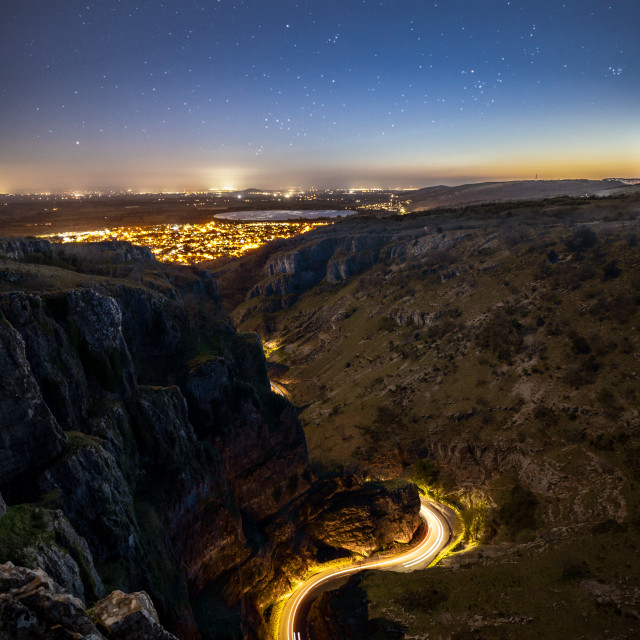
606,397
623,307
583,373
611,270
579,345
501,334
542,270
583,238
387,323
426,472
424,600
292,484
576,571
545,415
441,328
520,511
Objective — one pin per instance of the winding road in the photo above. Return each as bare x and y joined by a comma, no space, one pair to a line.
294,614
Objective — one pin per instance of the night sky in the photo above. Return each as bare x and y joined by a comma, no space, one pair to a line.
179,94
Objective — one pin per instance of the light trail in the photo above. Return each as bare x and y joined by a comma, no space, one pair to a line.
280,389
436,545
434,541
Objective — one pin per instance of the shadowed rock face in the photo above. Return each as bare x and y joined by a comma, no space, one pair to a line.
29,434
95,254
201,477
344,614
55,364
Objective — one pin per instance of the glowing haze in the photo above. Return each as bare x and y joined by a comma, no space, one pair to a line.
182,94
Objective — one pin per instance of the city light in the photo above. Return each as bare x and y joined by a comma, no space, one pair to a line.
194,243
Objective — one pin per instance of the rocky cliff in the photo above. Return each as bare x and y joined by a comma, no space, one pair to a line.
141,447
334,259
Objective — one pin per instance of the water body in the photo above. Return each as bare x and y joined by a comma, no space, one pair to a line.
275,215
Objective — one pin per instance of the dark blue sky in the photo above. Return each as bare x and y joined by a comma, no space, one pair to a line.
180,94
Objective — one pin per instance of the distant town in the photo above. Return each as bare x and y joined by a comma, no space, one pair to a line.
191,227
181,226
194,243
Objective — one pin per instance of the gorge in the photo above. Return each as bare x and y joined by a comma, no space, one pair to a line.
143,451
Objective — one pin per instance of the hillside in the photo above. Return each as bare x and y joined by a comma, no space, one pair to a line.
491,354
513,191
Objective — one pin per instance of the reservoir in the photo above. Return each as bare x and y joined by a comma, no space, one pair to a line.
275,215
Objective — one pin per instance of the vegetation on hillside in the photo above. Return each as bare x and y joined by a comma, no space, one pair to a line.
492,354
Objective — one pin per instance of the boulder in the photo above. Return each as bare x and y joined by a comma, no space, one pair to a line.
32,605
129,616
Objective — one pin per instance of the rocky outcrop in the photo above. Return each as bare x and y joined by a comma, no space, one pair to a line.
335,255
19,249
32,605
69,561
105,253
259,441
56,364
329,618
95,496
102,346
335,258
129,616
367,517
34,536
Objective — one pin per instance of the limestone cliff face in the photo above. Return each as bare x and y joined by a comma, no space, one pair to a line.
29,434
142,448
334,255
335,258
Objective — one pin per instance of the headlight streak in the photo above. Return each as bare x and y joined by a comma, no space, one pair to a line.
428,548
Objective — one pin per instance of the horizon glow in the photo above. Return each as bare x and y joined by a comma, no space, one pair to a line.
189,96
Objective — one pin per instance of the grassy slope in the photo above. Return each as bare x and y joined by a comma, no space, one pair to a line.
530,344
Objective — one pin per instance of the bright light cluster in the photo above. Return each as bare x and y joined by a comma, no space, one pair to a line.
193,243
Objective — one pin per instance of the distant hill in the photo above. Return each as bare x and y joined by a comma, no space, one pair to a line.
442,196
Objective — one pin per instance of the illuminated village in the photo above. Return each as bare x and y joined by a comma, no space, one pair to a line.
194,243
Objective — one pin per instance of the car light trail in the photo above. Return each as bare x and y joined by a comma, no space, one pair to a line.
434,524
434,540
